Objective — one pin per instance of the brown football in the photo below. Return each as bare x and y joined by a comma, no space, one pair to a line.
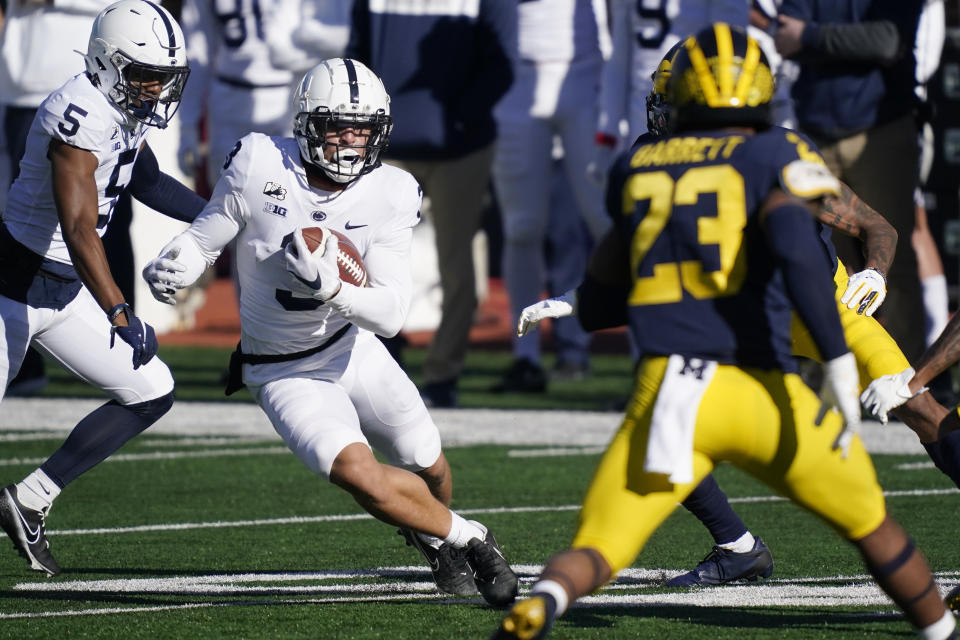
349,260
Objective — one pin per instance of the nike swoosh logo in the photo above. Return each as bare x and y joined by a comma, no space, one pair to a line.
33,536
349,226
435,564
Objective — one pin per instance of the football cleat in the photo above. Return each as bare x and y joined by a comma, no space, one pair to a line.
952,600
494,578
26,528
448,565
523,376
527,620
722,566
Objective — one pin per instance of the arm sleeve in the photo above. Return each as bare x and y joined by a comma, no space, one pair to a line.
877,42
791,235
161,192
382,306
200,245
600,306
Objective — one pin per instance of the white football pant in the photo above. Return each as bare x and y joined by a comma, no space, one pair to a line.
359,396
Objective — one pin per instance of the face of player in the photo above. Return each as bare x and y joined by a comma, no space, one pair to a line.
146,85
346,135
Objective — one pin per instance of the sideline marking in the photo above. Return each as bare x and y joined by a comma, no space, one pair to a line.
827,591
164,455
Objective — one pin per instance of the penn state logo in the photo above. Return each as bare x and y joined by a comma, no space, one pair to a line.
318,216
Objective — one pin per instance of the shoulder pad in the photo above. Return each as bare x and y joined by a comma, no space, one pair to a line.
808,180
77,121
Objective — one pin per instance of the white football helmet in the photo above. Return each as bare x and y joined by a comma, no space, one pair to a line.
135,43
340,93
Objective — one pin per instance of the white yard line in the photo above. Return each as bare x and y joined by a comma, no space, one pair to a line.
165,455
458,427
342,587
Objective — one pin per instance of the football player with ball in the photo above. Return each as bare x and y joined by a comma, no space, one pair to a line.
308,351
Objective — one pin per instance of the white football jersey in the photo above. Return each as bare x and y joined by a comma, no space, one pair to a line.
262,198
561,30
79,115
227,39
643,31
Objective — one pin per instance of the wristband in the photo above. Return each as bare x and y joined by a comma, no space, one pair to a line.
123,307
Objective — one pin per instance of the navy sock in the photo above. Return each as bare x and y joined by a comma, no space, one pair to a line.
945,453
100,434
710,505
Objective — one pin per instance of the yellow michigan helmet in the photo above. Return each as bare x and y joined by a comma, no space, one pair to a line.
720,77
658,109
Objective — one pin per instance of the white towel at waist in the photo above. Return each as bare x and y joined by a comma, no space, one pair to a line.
670,443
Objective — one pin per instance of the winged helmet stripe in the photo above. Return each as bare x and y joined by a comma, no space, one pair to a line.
171,34
352,80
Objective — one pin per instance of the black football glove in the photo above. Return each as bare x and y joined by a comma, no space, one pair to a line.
138,334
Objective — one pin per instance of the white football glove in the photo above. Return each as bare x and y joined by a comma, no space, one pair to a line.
888,392
161,275
560,307
840,390
865,291
318,271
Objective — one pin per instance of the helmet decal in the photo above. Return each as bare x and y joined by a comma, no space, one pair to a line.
720,77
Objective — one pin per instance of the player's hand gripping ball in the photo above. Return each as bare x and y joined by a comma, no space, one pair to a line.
351,265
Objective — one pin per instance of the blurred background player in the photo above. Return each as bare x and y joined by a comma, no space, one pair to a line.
236,88
38,53
87,142
709,284
642,31
308,349
545,125
445,66
301,33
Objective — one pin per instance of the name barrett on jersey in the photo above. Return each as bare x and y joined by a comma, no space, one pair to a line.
690,205
79,115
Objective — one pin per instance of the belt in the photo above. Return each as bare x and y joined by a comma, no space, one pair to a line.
238,358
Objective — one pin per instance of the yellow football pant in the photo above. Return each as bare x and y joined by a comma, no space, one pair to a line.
876,352
759,420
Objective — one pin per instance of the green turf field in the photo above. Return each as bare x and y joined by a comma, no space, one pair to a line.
230,537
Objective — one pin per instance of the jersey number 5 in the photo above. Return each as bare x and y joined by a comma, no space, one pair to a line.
74,124
719,236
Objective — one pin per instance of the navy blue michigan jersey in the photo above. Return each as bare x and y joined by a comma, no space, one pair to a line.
704,283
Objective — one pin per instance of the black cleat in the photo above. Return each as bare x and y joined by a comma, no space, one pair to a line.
494,578
26,528
523,376
527,620
448,565
723,566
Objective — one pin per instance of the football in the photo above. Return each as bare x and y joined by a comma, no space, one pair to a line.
349,260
